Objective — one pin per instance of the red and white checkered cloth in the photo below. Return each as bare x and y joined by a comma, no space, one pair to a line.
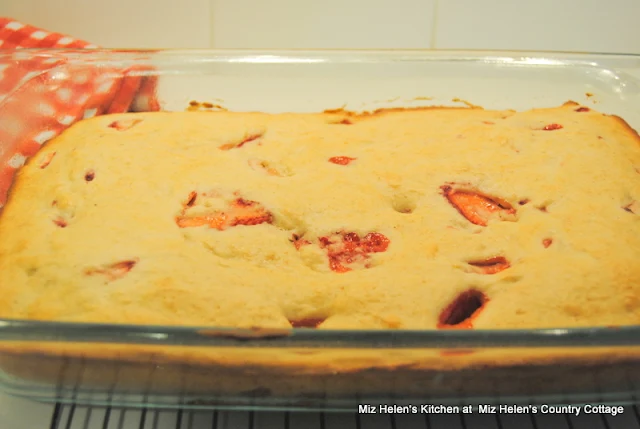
42,95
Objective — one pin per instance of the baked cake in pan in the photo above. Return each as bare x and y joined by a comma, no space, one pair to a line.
431,218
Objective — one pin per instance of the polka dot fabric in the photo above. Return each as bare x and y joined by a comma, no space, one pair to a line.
42,94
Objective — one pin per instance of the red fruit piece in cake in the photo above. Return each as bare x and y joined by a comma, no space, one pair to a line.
552,127
490,265
478,208
61,222
347,250
238,211
124,124
191,200
462,311
113,271
249,137
310,322
298,241
245,212
341,160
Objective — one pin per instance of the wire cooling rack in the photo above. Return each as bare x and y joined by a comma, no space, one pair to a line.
72,413
80,417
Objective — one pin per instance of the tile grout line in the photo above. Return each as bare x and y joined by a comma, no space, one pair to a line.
434,26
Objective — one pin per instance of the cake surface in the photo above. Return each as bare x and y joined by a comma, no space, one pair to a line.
409,219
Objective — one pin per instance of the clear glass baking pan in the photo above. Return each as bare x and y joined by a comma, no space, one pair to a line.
296,369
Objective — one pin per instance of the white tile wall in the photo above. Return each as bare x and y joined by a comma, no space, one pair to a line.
570,25
120,23
583,25
322,24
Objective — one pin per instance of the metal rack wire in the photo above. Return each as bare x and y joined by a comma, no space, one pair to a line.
70,414
80,417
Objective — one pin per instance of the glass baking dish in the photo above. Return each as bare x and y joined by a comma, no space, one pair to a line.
306,369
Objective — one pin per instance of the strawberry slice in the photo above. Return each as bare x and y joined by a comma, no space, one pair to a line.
346,249
341,160
248,138
113,271
216,220
124,124
60,222
311,322
463,310
298,241
552,127
478,208
490,265
239,212
191,200
246,212
375,242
